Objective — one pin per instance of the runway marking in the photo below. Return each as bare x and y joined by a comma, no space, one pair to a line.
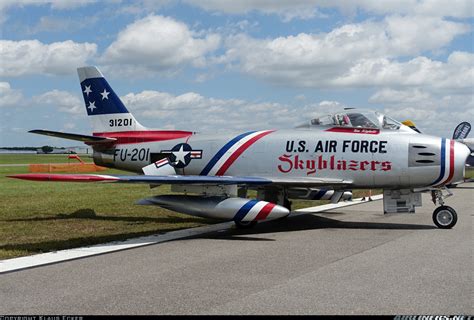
16,264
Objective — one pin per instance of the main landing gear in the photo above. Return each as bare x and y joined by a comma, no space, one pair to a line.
444,217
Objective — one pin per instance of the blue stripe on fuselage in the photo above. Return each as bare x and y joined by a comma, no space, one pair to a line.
244,210
443,161
222,151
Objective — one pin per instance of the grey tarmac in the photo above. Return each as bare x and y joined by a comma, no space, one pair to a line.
352,260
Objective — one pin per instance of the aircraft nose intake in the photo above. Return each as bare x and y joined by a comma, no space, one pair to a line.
462,152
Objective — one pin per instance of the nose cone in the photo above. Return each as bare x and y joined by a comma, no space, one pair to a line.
462,150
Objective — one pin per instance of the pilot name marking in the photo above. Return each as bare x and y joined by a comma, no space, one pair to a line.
332,146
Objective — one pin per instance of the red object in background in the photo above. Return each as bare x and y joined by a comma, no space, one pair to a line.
75,156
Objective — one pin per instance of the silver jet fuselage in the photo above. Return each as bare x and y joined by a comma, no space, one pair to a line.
367,158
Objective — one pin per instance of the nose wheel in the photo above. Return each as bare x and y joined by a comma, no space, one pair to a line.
445,217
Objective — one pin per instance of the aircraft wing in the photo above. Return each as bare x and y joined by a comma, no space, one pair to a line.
74,136
309,181
179,179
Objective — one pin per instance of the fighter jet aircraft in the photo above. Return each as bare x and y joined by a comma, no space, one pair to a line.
325,157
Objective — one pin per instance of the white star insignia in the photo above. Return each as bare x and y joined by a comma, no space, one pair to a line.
105,94
87,90
91,106
180,154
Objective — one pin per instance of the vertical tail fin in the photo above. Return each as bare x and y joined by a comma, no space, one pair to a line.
103,106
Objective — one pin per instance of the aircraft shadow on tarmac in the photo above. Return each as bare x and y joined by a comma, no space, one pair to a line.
90,214
292,224
308,222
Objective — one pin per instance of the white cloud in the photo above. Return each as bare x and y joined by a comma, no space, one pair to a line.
160,44
54,4
192,111
69,125
435,114
138,7
362,54
388,95
457,74
437,122
56,24
32,57
10,97
414,34
63,100
287,9
304,9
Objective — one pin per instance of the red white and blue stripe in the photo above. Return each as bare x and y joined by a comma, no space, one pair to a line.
254,210
231,151
161,163
447,163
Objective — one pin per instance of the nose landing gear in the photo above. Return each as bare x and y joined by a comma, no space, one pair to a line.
444,217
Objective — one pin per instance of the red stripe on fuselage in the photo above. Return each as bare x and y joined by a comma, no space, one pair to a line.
238,152
451,162
354,130
263,214
126,137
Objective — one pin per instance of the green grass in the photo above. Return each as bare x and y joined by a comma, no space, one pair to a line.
19,158
469,173
38,217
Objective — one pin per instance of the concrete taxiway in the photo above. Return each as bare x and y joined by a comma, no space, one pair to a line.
351,260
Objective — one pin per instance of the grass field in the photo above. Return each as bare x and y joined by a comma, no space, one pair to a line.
39,158
39,217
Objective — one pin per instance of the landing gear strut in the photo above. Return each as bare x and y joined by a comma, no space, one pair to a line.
444,217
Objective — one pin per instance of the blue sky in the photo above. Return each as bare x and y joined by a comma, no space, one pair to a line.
214,65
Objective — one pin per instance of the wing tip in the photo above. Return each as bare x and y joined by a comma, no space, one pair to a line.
64,177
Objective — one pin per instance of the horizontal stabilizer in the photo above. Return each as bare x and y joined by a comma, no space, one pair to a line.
74,136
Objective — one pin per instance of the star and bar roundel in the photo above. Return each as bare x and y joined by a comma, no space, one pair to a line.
181,154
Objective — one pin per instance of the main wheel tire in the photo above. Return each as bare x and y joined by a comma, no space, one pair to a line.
445,217
245,224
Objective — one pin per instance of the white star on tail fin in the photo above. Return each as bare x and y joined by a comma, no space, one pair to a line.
87,90
92,106
105,94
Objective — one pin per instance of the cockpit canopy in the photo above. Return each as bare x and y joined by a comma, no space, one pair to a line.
357,118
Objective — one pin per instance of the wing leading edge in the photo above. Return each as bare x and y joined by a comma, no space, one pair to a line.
178,179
